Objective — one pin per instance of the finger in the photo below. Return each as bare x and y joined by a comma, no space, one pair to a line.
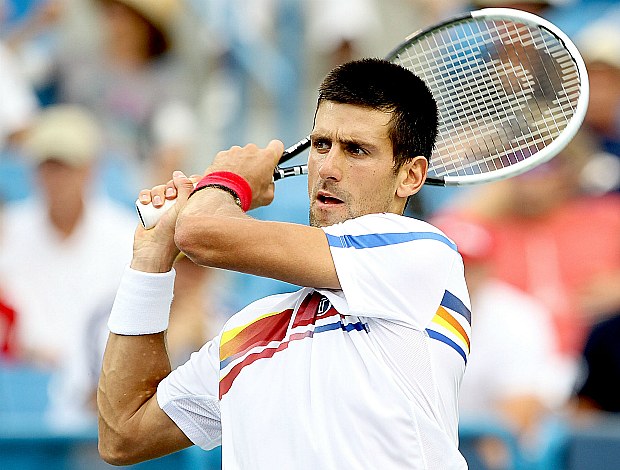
277,147
184,186
158,195
145,196
171,190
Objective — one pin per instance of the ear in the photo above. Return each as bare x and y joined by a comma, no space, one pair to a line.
412,176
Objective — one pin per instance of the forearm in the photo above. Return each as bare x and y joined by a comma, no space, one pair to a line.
131,425
203,226
132,368
213,231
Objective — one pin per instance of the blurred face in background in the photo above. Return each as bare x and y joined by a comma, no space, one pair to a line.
125,29
63,185
604,108
122,21
550,185
130,36
544,188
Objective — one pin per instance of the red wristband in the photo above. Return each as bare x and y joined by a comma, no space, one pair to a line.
235,183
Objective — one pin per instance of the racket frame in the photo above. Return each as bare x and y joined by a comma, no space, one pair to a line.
542,156
149,215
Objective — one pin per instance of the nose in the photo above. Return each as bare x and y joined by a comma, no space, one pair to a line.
331,164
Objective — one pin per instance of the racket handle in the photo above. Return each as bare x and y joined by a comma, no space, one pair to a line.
297,170
149,214
294,150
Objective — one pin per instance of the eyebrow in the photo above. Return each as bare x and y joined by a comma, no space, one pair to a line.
344,141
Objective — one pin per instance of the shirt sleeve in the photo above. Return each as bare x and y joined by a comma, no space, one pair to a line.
189,396
392,267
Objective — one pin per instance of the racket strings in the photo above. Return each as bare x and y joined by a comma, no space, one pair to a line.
505,91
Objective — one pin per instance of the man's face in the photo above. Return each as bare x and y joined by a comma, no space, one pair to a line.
63,185
351,166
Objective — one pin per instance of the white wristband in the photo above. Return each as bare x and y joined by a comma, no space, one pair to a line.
142,303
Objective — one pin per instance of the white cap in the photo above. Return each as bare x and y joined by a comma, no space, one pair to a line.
66,133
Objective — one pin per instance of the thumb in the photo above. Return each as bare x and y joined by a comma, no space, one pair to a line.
278,149
183,184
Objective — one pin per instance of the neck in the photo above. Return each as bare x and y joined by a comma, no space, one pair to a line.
65,218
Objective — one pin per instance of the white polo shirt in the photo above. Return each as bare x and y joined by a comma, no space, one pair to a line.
365,377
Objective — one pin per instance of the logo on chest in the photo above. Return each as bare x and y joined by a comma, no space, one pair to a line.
272,333
313,307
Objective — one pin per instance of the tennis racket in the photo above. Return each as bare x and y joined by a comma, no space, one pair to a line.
511,90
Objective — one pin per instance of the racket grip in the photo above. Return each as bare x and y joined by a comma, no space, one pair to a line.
149,214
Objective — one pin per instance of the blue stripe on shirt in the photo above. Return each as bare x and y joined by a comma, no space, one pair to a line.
444,339
455,304
373,240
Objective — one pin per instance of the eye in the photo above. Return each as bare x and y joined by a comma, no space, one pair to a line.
321,145
356,150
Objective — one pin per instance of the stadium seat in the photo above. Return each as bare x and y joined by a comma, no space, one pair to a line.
471,431
29,442
596,446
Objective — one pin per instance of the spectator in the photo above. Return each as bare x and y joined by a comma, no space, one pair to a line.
599,43
509,375
128,73
557,243
61,256
341,30
537,7
63,249
599,391
19,103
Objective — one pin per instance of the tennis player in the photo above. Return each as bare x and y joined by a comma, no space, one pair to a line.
359,369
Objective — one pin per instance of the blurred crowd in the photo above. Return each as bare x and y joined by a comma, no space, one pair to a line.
101,98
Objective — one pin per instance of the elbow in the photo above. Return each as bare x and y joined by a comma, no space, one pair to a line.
191,237
118,450
114,455
186,239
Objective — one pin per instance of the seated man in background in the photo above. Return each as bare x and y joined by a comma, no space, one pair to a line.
557,240
62,253
63,249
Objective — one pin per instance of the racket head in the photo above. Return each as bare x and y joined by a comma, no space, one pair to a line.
511,88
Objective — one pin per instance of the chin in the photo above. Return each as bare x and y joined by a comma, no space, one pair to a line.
325,219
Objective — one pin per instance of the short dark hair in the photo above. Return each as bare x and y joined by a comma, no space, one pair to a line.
384,86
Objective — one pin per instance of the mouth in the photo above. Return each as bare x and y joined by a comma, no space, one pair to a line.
327,199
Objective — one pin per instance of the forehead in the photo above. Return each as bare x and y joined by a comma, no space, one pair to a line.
351,121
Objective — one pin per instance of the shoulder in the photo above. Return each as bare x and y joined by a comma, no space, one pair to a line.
23,213
512,308
111,224
382,222
106,210
383,229
506,294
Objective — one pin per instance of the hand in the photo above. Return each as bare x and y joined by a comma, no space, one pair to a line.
255,164
154,250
